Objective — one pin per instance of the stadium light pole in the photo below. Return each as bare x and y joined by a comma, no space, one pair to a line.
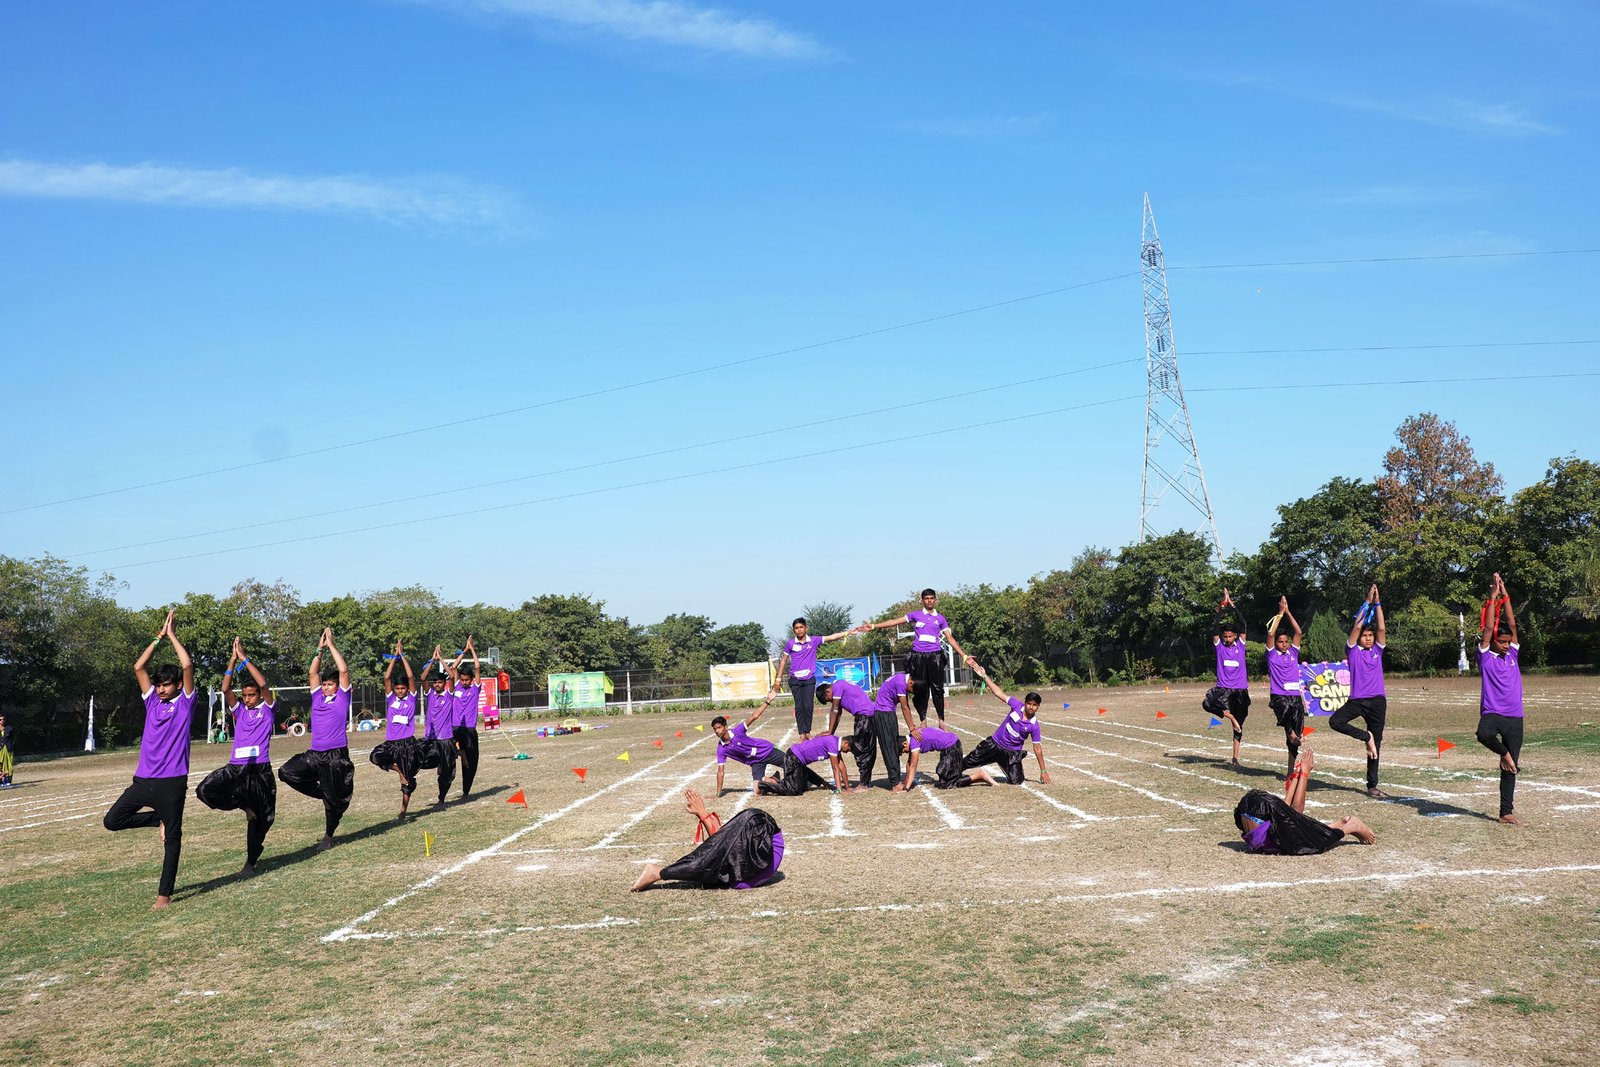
1166,413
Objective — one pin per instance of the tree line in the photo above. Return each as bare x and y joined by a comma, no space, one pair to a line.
1430,528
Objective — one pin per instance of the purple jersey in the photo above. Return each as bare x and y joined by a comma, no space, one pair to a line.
465,700
890,692
1283,672
818,748
400,718
771,872
164,748
1259,837
802,657
852,698
1016,727
929,625
1366,671
1231,673
934,740
750,751
329,719
441,716
252,733
1502,682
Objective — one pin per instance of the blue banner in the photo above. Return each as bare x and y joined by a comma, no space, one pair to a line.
1325,686
862,670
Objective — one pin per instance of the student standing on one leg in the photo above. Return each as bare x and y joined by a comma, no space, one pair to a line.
742,853
800,658
1368,701
1230,698
466,694
325,772
928,657
161,778
947,746
753,752
245,783
7,757
796,767
842,696
1285,693
1500,724
1005,745
399,751
438,731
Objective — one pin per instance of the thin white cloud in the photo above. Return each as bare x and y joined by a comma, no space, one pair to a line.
977,126
433,200
668,22
1470,115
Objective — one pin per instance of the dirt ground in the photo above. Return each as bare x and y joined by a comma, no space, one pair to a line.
1108,916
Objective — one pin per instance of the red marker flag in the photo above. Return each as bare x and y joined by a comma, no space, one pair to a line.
580,772
678,735
656,742
1161,715
1100,711
517,798
1308,730
1443,745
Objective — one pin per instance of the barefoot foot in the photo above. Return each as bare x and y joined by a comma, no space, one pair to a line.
1508,764
161,902
326,843
647,878
1512,820
247,871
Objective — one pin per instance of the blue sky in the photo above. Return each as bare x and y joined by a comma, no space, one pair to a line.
249,238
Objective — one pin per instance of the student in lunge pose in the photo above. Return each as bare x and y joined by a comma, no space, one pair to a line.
1230,698
1005,745
161,778
1285,696
949,774
245,783
753,752
1368,701
797,774
1500,724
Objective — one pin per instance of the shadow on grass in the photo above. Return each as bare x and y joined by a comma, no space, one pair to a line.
1245,771
695,887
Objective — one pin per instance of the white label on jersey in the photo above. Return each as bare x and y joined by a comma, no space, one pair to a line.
1230,663
401,719
800,674
1291,686
246,751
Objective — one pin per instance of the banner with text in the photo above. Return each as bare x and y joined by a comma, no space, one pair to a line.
740,681
586,690
1326,686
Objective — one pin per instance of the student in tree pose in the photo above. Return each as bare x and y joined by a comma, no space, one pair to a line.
325,772
949,774
1285,693
742,853
399,751
1230,698
465,696
438,733
161,778
1500,724
1274,826
797,773
928,657
753,752
7,739
1005,745
1367,699
800,658
245,783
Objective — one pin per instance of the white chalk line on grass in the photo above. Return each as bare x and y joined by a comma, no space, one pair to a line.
1052,801
46,822
673,791
34,806
836,827
345,932
1152,893
951,819
1195,808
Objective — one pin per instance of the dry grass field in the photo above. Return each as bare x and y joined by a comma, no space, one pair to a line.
1109,916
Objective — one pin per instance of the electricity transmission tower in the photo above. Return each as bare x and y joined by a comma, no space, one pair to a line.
1166,415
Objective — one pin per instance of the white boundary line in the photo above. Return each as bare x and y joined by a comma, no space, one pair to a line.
46,822
836,827
951,819
35,805
1152,893
347,931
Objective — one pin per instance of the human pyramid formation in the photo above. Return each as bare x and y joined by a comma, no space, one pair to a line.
324,772
747,851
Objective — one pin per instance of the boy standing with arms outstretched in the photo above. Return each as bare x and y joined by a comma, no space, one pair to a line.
1285,695
1368,700
928,657
325,772
245,782
1230,698
161,778
800,658
1500,724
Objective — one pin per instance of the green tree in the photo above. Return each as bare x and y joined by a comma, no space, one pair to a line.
1071,612
1422,634
1322,553
1162,594
744,642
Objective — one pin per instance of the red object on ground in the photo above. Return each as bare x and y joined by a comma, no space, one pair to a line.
580,772
1100,711
517,798
679,734
657,742
1443,745
1308,730
1161,715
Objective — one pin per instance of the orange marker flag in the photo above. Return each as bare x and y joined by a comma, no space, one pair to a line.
678,735
1161,715
1443,745
1100,711
1308,730
625,758
657,742
517,798
580,772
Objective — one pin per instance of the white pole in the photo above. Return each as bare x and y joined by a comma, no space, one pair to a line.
1461,664
88,740
627,681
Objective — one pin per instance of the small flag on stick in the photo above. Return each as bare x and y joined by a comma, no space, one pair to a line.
1100,711
427,843
657,742
701,728
1443,746
1161,715
1214,722
1308,730
581,772
1066,705
517,798
679,734
625,758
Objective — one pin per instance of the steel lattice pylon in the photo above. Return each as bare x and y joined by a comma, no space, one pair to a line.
1166,413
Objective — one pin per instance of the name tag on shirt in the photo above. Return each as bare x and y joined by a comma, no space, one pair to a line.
246,751
1290,687
1230,663
401,719
800,674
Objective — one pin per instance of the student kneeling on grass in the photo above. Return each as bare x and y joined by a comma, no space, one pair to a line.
742,854
797,774
949,774
1274,826
1005,745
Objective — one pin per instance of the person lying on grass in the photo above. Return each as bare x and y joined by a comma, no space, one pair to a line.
742,853
1272,826
949,774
